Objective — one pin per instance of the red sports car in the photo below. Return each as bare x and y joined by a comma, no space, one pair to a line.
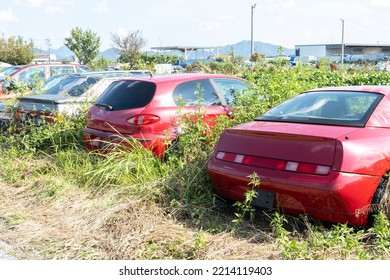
147,109
324,152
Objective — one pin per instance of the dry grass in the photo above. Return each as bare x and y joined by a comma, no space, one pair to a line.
79,225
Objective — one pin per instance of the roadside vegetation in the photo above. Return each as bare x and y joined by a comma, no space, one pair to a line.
59,201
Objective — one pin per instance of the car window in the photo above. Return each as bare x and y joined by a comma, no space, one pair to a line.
196,93
230,88
30,75
346,108
125,95
73,86
61,69
81,68
7,71
140,72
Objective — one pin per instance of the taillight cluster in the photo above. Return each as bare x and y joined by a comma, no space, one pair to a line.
272,163
143,119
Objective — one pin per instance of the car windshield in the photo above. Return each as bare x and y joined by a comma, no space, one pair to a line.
6,71
73,86
10,70
52,81
345,108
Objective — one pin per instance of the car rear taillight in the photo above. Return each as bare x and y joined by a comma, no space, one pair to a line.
277,164
143,119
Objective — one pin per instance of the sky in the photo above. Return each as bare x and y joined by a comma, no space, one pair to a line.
208,23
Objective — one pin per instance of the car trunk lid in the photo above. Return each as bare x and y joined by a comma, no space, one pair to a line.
296,143
112,121
43,102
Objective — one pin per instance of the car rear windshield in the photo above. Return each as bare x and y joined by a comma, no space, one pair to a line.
127,94
345,108
72,85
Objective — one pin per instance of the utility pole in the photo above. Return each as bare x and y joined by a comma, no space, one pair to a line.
48,44
342,41
252,43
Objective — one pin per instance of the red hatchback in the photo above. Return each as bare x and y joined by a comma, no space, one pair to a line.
146,109
324,152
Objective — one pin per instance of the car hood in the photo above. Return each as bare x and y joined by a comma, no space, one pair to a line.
288,141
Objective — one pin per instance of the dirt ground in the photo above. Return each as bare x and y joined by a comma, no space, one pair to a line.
77,225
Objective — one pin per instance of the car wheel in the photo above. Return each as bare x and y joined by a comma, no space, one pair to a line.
380,201
172,148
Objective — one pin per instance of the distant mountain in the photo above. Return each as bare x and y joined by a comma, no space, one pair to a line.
110,54
64,53
61,54
242,48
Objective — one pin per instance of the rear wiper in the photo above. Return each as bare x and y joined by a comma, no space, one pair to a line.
104,106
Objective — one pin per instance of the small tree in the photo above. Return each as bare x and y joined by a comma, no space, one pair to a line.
84,44
257,58
129,47
280,51
16,51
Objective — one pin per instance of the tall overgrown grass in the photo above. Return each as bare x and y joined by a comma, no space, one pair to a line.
52,161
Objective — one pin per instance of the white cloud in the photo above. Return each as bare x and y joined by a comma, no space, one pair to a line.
215,24
40,3
380,3
280,4
122,32
7,16
210,26
17,2
53,10
226,18
102,7
36,3
64,2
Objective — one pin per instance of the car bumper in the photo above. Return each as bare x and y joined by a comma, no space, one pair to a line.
338,197
97,140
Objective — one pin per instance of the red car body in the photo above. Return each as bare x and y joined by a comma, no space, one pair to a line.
147,109
331,168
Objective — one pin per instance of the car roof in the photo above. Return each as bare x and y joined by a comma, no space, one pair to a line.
100,74
385,90
181,77
48,64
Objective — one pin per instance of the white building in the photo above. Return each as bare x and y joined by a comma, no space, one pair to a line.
353,52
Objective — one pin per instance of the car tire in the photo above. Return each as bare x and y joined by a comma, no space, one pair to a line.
172,148
380,201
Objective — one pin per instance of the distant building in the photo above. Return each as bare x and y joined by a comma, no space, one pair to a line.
44,58
190,51
353,52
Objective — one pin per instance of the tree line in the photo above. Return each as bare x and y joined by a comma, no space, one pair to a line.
85,44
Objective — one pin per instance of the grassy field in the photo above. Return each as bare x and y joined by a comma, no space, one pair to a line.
57,201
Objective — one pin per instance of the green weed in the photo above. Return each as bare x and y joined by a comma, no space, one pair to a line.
49,161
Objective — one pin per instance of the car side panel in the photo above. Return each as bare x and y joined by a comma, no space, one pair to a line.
365,151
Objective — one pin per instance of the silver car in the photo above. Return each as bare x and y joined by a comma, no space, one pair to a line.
65,96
